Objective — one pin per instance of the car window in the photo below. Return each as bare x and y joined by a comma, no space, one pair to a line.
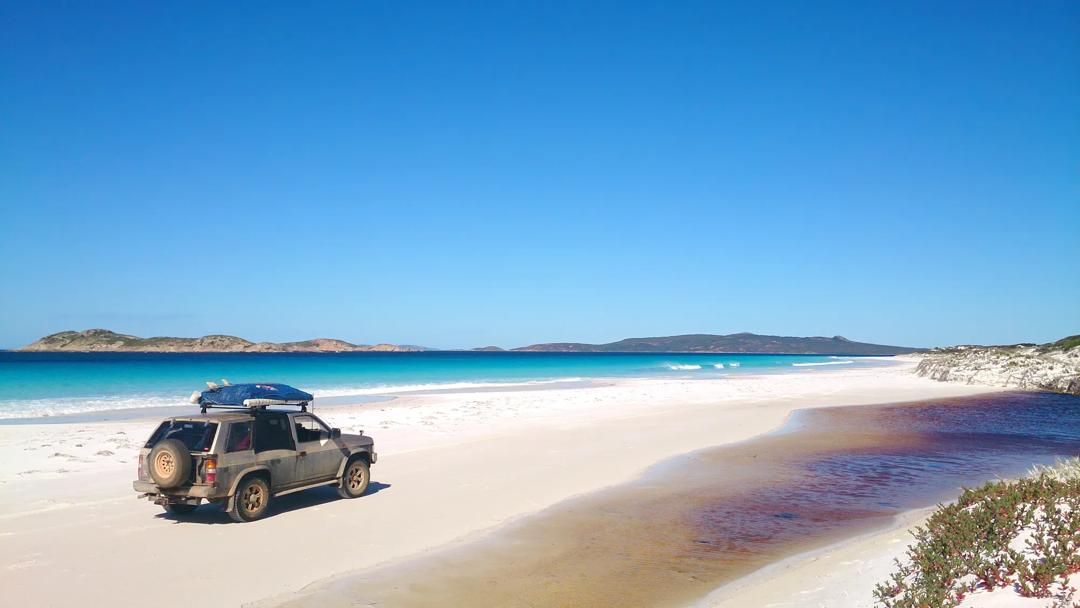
197,436
272,432
308,428
239,437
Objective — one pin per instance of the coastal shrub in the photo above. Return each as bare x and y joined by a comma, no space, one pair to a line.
1022,534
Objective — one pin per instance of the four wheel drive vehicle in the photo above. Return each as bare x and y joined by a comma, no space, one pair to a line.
242,458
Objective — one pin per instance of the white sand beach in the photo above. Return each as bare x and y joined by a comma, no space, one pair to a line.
451,466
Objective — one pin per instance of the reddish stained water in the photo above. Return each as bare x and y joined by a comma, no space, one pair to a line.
696,521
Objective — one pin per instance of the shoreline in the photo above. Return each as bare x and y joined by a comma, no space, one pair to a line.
839,575
494,438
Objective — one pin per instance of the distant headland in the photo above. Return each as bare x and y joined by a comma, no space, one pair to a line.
104,340
731,343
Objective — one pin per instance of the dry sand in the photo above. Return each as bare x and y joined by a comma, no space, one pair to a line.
451,466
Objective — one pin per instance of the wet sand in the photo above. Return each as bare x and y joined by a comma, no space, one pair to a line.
695,522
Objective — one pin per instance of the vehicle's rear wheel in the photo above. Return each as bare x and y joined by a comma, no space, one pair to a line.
179,509
170,463
355,480
251,500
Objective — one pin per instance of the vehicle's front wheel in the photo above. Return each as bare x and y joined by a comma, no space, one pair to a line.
251,500
355,481
179,509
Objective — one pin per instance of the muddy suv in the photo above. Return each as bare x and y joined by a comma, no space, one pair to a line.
242,458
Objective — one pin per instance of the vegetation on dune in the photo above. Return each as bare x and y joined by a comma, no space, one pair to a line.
1049,367
1064,344
1023,535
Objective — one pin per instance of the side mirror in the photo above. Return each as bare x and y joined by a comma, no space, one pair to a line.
335,433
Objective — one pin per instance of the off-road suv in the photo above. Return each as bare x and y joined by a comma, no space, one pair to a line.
239,459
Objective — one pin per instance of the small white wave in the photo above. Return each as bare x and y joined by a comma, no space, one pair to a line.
64,406
718,365
821,363
734,364
383,389
682,367
46,408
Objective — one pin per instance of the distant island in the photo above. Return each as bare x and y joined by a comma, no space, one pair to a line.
731,343
104,340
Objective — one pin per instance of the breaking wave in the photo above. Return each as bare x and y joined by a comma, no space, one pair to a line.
682,366
821,363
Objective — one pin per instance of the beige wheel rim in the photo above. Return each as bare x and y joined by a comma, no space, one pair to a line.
356,477
252,498
164,464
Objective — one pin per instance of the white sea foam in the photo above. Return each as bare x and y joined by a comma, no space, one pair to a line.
44,408
63,406
682,366
718,365
383,389
734,364
821,363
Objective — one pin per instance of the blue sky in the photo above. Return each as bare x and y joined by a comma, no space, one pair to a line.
461,174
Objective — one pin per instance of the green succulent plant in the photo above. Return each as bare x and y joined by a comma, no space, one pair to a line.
968,545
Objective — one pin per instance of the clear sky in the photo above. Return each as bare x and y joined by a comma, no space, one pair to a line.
461,174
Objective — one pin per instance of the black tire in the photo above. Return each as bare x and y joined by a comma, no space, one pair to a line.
179,509
355,480
251,501
170,463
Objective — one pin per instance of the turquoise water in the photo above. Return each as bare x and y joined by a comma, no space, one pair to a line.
48,384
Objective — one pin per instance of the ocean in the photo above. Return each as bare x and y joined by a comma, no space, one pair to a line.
36,385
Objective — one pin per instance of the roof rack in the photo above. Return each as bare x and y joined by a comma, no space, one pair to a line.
252,405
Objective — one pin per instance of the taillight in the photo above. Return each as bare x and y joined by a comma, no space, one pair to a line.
210,470
142,463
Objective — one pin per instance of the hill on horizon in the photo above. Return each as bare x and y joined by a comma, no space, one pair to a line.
731,343
104,340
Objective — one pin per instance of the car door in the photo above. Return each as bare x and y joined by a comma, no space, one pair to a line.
319,455
275,447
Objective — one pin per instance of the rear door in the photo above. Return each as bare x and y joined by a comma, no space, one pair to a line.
319,456
275,447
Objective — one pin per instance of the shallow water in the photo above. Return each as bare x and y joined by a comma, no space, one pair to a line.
694,522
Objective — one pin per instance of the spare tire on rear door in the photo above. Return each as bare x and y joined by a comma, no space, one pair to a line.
170,463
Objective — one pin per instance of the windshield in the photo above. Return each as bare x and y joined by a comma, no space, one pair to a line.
197,436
